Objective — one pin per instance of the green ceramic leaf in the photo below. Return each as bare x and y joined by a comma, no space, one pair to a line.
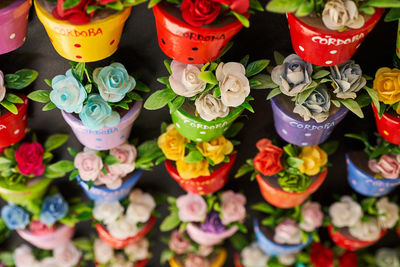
13,99
159,99
256,67
9,106
42,96
353,107
242,19
193,157
62,166
20,79
283,6
55,141
170,222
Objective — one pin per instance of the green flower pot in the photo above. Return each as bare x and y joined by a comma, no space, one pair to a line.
22,194
199,130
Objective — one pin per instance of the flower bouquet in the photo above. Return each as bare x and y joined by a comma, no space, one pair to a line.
329,32
288,176
309,101
100,105
201,167
13,123
322,256
13,24
121,224
84,30
354,226
204,100
27,169
376,170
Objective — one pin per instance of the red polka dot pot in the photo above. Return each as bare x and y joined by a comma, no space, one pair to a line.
388,126
189,44
13,127
324,47
118,243
343,239
203,185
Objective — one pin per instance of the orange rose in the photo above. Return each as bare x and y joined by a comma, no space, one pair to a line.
387,85
268,161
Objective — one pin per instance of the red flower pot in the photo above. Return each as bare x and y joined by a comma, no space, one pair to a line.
273,194
203,185
117,243
326,47
346,241
189,44
236,259
398,231
14,127
388,126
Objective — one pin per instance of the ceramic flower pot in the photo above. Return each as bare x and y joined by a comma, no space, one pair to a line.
273,194
196,129
203,185
14,127
388,126
236,260
273,249
62,235
398,231
104,194
141,263
343,239
94,41
294,130
365,184
107,137
117,243
324,47
22,194
13,25
208,239
189,44
218,262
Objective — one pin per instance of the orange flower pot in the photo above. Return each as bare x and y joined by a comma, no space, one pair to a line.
285,200
219,262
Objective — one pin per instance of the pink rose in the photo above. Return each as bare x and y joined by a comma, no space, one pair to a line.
194,260
39,228
110,180
192,208
67,255
29,157
178,243
232,207
2,86
312,216
287,232
388,166
89,165
126,154
23,256
205,250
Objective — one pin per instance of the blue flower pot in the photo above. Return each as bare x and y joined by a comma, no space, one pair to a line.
103,194
366,184
273,249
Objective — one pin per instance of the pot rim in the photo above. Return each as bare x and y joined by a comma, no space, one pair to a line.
236,112
20,107
385,115
16,4
222,254
332,233
59,228
43,181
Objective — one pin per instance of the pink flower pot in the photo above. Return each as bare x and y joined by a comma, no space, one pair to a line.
208,239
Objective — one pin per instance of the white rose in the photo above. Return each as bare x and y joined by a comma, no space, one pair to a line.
108,212
366,231
386,257
23,256
138,251
49,262
252,256
122,228
205,251
184,79
138,197
338,14
120,261
210,107
138,213
347,212
287,259
67,255
233,83
103,253
388,213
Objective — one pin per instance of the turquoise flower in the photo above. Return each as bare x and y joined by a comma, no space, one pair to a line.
54,208
113,82
68,93
97,114
14,217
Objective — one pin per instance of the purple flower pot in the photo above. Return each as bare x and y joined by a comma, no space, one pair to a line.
13,25
107,137
294,130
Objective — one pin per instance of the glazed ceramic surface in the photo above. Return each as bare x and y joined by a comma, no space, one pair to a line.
62,235
388,126
219,262
14,127
208,239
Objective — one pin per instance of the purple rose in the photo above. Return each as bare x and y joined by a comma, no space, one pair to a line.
213,223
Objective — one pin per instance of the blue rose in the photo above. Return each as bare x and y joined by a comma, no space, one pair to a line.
54,208
113,82
68,93
14,217
97,114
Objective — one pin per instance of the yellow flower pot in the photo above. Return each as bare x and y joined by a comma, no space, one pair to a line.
219,262
84,43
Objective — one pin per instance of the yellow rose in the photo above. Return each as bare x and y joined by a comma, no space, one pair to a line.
216,150
313,159
192,170
387,85
172,143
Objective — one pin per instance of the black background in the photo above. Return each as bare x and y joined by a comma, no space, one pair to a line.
139,52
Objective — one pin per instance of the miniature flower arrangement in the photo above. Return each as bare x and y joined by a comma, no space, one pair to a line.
204,100
201,167
124,223
322,256
329,32
356,225
28,168
309,101
84,30
13,107
288,176
383,257
375,171
105,99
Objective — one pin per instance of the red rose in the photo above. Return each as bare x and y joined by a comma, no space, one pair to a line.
29,157
39,228
239,6
348,259
321,256
199,12
105,2
75,15
268,161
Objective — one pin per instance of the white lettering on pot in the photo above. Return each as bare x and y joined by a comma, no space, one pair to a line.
204,127
328,40
311,127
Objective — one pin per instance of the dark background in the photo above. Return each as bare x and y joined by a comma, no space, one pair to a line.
139,52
